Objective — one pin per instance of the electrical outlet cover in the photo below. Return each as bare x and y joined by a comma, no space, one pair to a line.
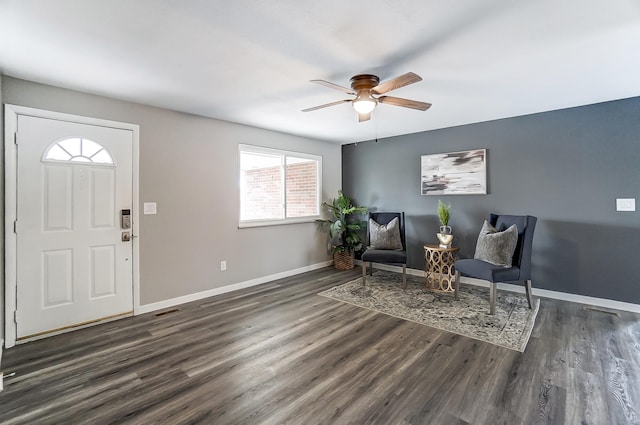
150,208
626,204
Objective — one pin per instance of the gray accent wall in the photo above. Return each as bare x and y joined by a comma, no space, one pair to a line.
566,167
188,166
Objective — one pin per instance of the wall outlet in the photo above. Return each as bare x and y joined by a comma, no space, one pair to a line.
626,204
223,266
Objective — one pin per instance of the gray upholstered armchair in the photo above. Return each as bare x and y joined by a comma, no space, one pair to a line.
520,269
386,242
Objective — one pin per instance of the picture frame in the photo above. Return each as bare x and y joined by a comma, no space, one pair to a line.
454,173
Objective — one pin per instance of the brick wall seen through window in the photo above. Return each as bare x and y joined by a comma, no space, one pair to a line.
267,185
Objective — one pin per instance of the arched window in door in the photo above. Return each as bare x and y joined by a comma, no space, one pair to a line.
76,149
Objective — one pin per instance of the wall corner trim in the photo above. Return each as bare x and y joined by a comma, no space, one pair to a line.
147,308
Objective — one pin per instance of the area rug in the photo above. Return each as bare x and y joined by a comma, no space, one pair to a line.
469,316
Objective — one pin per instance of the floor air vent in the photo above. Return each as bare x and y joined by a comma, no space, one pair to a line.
601,310
163,313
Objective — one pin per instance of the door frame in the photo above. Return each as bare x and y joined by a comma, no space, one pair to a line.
12,112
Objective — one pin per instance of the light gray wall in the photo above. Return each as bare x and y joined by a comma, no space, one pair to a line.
2,221
188,165
566,167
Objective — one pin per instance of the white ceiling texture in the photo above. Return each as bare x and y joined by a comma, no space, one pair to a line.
250,61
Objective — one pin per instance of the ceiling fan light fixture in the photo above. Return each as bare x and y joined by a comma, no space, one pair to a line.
364,103
365,86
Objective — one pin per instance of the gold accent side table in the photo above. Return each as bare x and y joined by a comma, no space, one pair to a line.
438,268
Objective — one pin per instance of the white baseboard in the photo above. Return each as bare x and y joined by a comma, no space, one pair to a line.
228,288
564,296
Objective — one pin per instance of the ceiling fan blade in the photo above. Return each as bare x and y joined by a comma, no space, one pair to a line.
396,83
405,103
364,117
326,105
334,86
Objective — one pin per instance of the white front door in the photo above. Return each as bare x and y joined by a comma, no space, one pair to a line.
73,267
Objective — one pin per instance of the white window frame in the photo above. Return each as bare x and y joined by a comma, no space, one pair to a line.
283,154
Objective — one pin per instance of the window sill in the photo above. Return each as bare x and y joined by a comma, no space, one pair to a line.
264,223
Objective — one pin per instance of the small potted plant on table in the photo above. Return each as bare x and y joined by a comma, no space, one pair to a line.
445,235
343,230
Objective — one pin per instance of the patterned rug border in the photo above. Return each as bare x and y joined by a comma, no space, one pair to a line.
524,340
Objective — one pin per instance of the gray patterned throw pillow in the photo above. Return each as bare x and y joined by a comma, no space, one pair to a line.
496,247
385,236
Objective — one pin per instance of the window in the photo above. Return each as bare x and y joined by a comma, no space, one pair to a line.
278,186
75,149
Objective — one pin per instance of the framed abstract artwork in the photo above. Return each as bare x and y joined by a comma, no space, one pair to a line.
454,173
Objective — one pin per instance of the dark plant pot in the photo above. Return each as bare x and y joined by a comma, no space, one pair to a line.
343,260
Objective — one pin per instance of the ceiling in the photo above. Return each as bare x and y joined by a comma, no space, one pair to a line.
250,61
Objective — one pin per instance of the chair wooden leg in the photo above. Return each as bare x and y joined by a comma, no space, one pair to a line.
456,286
364,273
527,287
404,276
492,298
371,268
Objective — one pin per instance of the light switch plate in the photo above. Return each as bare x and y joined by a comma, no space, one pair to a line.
626,204
150,208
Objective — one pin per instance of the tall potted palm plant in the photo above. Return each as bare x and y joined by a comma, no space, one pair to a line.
343,230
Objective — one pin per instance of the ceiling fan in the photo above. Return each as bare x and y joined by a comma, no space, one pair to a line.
365,86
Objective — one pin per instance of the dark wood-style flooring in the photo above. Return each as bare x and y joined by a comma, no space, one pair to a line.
280,354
